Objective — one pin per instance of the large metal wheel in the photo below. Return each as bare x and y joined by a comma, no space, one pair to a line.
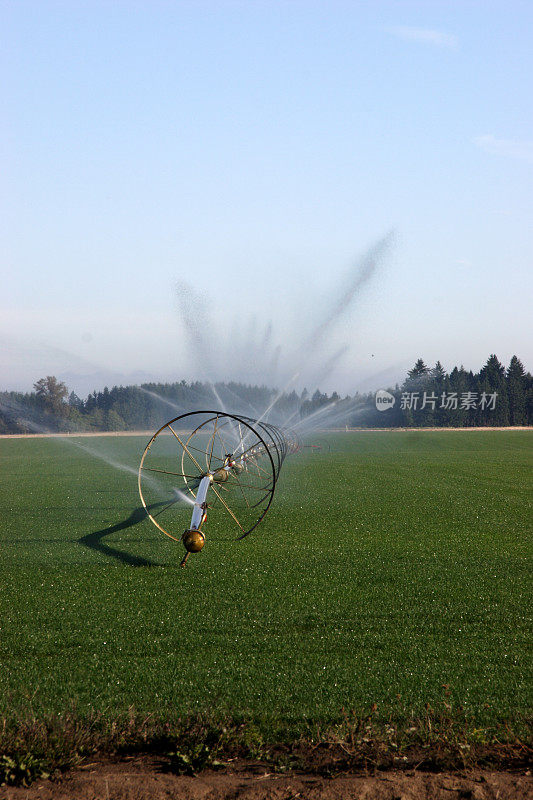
232,462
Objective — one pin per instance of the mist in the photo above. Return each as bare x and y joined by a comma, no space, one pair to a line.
293,337
308,348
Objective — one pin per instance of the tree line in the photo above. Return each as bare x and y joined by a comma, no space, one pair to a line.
429,396
495,396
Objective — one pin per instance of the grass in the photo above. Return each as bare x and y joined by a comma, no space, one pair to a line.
393,570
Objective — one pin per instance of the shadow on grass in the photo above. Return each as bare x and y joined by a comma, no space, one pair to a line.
94,540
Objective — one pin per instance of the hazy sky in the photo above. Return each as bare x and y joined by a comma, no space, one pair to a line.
256,151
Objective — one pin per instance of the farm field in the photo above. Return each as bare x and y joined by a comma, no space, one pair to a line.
392,569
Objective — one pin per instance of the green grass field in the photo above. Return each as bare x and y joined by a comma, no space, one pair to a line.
386,568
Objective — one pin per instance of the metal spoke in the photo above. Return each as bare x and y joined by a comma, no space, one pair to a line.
212,444
199,450
224,446
249,486
248,449
240,487
166,472
228,509
259,468
185,448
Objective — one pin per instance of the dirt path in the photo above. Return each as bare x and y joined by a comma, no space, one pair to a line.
146,778
149,434
76,435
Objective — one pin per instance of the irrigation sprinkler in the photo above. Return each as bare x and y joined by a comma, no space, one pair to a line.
211,461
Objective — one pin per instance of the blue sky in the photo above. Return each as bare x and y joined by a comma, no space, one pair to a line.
256,150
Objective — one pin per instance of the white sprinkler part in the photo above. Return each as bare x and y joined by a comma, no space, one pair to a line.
199,505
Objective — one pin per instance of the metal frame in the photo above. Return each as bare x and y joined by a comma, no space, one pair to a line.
269,443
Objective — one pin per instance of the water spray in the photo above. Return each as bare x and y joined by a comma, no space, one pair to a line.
221,463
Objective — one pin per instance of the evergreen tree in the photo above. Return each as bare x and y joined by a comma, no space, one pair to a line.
104,399
438,373
91,403
74,401
417,381
529,398
492,386
457,386
420,370
438,384
516,392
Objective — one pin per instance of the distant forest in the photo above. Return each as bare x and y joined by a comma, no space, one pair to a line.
429,396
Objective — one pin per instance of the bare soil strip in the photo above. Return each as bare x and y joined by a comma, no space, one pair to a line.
78,434
73,435
148,778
